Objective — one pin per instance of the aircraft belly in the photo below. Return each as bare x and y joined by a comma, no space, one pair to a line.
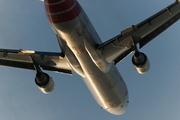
103,80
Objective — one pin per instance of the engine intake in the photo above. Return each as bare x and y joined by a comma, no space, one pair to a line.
140,62
44,82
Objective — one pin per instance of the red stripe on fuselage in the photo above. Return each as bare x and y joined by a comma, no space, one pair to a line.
60,14
59,7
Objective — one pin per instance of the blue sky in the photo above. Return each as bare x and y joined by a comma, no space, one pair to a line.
154,95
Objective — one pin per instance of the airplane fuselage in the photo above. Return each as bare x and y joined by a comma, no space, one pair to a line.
78,39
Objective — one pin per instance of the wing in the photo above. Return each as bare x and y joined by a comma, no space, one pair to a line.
27,59
122,45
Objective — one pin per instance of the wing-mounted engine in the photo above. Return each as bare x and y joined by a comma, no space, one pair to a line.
140,62
44,82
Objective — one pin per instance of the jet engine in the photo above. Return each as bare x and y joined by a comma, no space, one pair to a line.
140,62
44,82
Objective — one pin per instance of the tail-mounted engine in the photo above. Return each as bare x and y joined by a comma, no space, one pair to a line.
140,62
44,82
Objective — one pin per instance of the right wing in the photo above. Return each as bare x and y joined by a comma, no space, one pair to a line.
122,45
27,60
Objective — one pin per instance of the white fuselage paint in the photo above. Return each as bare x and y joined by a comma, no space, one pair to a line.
77,39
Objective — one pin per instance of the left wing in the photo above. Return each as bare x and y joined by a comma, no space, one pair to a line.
122,45
28,59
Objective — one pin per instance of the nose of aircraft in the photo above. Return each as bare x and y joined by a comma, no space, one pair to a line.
59,11
121,108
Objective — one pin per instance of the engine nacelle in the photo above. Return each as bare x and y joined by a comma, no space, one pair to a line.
44,82
140,62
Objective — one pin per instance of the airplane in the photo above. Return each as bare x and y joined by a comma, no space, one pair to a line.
83,52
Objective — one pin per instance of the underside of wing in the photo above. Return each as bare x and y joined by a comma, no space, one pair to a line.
28,59
122,45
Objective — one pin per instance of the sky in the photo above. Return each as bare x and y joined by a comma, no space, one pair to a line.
153,96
